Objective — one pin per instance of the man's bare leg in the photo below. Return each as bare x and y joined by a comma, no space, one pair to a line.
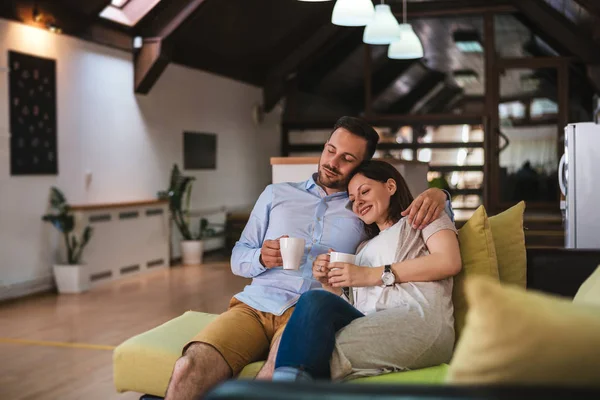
266,372
199,370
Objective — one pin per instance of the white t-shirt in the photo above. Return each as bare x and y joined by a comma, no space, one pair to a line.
396,243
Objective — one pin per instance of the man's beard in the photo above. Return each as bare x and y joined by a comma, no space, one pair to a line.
335,182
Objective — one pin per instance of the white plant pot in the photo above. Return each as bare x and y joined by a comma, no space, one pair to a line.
192,252
72,278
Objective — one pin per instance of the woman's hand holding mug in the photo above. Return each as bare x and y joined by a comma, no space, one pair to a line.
342,274
320,270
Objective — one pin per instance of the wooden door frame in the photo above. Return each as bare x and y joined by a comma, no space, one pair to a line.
494,66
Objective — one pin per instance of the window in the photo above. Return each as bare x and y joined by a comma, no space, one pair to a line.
128,12
541,107
119,3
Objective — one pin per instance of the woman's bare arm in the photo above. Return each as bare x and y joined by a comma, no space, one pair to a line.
443,261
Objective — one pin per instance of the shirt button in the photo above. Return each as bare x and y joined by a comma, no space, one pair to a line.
314,240
318,218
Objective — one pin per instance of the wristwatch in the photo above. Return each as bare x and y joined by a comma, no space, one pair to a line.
388,276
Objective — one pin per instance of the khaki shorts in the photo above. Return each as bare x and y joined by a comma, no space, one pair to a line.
242,334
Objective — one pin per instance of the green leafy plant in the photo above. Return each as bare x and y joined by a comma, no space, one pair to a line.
63,220
179,195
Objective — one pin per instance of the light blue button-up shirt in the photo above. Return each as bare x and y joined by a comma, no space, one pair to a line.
301,210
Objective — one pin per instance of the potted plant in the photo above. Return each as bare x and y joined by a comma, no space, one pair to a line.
179,196
71,277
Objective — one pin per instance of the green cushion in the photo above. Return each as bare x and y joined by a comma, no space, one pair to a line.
145,362
425,376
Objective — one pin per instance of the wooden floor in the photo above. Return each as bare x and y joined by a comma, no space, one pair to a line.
38,335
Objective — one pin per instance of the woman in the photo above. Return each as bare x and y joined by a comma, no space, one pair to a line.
398,314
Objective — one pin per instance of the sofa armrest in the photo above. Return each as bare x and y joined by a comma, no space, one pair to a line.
560,271
250,390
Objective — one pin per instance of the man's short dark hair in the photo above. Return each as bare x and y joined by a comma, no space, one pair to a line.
362,128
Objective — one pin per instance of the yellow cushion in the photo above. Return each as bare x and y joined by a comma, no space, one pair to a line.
515,336
145,362
589,292
509,241
478,258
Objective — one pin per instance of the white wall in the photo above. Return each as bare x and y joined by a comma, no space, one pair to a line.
127,142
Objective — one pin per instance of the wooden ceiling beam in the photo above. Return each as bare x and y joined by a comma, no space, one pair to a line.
334,55
387,120
276,82
441,8
561,31
154,56
385,91
386,75
150,62
592,6
444,100
421,89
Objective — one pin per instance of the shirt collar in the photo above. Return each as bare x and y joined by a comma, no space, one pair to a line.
312,182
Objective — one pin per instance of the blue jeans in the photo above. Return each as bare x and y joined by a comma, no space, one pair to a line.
309,336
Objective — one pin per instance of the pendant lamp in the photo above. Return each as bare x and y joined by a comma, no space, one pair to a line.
383,28
409,46
352,12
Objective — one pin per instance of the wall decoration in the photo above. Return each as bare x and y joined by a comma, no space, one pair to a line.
32,100
199,150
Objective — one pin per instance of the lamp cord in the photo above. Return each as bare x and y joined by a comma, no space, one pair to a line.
404,12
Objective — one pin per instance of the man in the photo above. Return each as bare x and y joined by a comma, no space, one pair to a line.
314,210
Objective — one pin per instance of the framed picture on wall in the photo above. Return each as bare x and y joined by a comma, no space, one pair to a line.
32,103
199,150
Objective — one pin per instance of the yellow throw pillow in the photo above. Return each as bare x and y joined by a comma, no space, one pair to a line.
478,258
515,336
589,292
509,241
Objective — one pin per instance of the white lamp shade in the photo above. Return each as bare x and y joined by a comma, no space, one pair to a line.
383,28
352,12
408,47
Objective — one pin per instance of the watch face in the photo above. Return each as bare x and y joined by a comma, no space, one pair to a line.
388,278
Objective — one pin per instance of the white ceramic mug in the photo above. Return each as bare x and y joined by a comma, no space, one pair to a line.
292,250
336,256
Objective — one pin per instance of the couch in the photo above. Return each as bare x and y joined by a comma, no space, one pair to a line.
144,363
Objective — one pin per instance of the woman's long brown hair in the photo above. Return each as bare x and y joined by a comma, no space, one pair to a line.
381,171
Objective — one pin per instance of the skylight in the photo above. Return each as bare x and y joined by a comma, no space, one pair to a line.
128,12
468,41
119,3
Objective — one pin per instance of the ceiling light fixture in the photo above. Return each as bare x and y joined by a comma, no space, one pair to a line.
352,12
409,46
383,28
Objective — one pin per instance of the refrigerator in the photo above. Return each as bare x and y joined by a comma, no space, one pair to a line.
579,181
